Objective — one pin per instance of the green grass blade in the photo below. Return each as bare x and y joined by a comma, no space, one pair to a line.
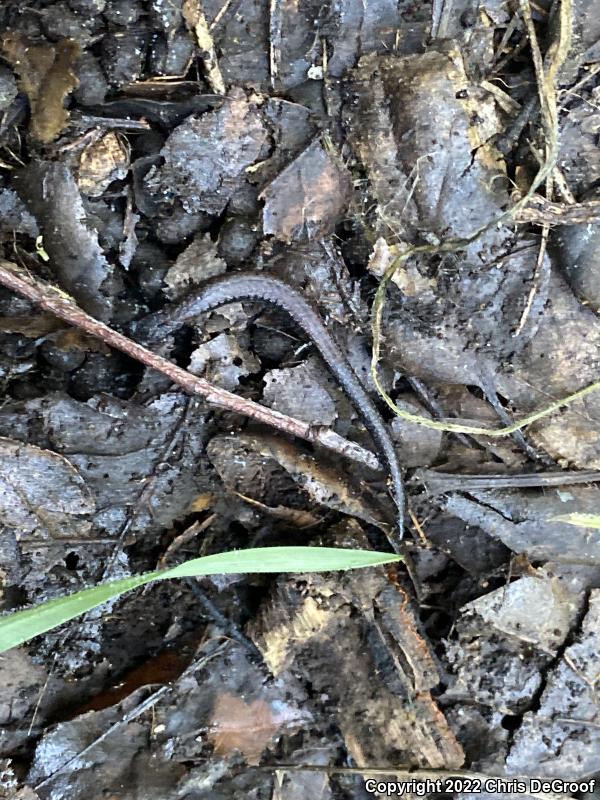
582,520
280,559
20,626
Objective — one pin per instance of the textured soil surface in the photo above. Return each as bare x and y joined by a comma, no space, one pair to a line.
148,146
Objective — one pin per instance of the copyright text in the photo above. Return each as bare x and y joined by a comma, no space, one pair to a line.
420,788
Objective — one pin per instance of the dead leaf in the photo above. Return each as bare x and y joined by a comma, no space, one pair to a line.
301,392
201,502
47,78
406,277
223,362
414,171
307,199
51,194
102,162
196,264
41,493
247,464
205,159
247,727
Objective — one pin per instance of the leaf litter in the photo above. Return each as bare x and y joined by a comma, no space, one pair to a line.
153,148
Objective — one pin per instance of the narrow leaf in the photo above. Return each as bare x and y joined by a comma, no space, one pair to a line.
280,559
581,520
20,626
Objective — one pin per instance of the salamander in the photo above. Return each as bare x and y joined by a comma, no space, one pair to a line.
240,286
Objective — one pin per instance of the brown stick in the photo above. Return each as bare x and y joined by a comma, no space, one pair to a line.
61,305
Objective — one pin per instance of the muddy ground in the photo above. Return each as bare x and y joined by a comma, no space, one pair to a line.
148,146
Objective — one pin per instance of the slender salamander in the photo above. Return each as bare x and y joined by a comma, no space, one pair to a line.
258,286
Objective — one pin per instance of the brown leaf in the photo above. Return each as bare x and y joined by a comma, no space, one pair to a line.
201,502
247,727
245,466
102,162
308,198
47,78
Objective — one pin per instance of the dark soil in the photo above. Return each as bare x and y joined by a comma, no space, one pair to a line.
146,147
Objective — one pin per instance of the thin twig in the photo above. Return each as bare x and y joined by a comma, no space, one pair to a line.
134,713
61,305
275,24
491,395
219,15
536,279
547,92
566,94
499,66
221,620
562,188
188,534
441,482
196,22
513,25
43,691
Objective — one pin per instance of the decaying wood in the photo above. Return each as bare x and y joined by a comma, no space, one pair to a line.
384,668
